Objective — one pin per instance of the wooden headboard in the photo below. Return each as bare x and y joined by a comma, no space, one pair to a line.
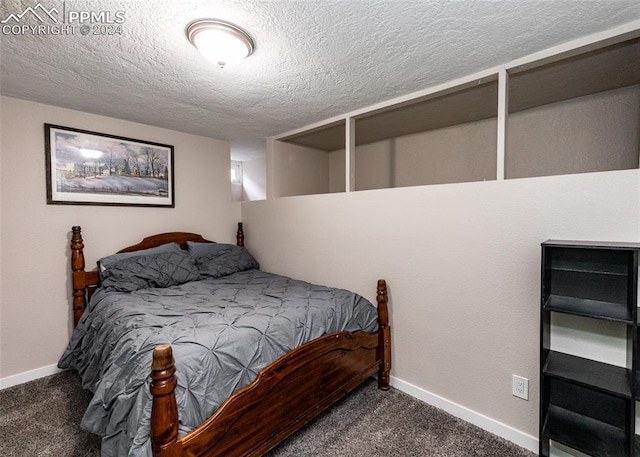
84,283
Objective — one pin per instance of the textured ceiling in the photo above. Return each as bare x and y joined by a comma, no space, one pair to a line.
314,58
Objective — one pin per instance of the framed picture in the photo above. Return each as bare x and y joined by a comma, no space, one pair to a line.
89,168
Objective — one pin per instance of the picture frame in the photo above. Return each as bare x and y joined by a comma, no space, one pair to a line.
91,168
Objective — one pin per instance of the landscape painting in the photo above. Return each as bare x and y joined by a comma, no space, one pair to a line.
89,168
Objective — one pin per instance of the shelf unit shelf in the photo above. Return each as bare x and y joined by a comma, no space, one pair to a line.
584,434
617,270
585,404
590,373
584,307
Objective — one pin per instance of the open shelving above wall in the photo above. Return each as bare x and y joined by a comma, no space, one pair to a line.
443,137
329,137
471,102
578,73
474,101
571,109
575,112
304,164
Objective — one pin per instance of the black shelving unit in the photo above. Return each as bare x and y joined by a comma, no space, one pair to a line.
585,404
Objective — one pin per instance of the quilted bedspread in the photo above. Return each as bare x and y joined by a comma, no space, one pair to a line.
223,332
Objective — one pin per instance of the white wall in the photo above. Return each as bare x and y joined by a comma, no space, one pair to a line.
463,260
463,266
35,295
236,192
254,179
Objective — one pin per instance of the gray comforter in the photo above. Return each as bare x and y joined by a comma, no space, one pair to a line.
223,332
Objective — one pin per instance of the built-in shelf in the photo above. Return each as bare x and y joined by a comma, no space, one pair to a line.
470,102
328,137
444,137
304,163
573,111
577,73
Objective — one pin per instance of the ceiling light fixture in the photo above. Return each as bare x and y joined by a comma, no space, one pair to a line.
220,42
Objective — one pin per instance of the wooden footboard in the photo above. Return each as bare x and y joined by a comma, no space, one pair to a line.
285,395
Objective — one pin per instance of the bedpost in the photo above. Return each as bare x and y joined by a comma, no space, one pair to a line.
240,235
164,410
384,332
79,302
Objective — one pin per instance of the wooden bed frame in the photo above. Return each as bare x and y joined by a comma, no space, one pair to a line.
287,394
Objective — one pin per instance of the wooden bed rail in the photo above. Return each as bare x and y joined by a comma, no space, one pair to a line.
84,283
285,395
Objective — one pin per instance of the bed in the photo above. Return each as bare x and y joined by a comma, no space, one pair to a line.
155,405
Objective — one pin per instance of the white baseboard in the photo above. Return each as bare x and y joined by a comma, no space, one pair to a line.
491,425
27,376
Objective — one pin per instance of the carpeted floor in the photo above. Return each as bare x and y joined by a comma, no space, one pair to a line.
41,418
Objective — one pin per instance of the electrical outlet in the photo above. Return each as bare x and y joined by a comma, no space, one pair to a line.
520,387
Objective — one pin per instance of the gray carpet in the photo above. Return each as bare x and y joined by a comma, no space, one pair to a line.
41,418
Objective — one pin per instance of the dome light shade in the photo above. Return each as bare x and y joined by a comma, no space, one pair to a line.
220,42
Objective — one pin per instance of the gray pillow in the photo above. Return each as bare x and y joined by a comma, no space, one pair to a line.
199,249
224,259
109,260
155,270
